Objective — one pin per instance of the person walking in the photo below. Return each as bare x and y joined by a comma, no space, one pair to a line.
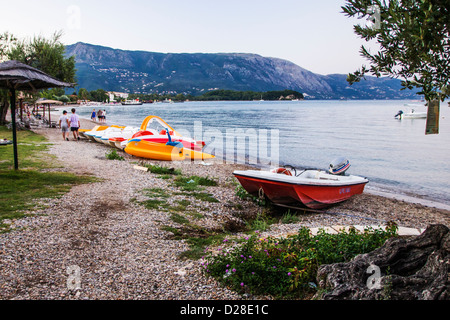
93,116
64,125
75,124
100,115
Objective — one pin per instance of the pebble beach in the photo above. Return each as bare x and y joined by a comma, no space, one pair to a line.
122,250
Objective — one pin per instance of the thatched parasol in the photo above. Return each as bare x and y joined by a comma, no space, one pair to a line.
15,75
48,102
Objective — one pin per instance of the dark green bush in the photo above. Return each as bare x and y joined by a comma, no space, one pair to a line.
287,267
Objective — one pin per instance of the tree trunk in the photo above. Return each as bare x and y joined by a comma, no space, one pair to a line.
405,269
432,126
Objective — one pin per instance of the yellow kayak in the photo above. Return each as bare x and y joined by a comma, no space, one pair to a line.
163,151
197,155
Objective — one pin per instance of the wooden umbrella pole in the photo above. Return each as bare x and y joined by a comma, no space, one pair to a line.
13,119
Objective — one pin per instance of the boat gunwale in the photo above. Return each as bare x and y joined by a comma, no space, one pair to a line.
312,183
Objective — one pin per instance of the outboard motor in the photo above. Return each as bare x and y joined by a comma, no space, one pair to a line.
339,165
399,114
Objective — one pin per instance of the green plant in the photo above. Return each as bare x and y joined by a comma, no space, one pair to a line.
113,155
153,203
193,183
156,192
289,217
287,267
165,172
175,217
198,238
242,194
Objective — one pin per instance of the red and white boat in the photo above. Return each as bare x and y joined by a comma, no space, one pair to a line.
315,189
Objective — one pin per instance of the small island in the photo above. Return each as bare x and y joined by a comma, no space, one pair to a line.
224,95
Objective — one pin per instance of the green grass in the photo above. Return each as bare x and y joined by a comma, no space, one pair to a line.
20,189
183,211
193,183
31,151
153,204
164,171
198,238
202,196
156,192
35,180
113,155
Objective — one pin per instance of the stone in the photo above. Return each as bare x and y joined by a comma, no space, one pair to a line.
415,268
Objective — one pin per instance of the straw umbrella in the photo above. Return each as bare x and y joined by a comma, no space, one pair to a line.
15,75
48,103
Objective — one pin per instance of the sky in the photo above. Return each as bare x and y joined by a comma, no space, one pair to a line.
315,35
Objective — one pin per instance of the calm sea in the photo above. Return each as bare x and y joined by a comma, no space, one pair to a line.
395,155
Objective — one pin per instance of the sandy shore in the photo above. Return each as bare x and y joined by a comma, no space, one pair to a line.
121,248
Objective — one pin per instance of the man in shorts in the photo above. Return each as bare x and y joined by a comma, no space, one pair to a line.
64,125
75,124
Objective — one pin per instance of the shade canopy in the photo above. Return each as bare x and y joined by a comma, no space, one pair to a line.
47,101
15,75
19,76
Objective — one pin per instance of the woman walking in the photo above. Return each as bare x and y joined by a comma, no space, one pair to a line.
93,116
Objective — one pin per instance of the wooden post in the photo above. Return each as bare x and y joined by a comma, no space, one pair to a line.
13,119
21,109
49,119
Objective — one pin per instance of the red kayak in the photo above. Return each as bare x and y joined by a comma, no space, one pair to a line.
314,189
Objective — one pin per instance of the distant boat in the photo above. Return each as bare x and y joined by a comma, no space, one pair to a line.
411,115
131,103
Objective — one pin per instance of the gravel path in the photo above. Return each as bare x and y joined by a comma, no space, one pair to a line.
120,248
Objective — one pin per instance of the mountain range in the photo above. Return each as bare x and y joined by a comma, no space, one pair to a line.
111,69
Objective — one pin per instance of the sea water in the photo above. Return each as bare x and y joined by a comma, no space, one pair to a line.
395,155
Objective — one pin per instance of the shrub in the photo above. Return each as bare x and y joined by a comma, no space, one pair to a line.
113,155
162,170
288,267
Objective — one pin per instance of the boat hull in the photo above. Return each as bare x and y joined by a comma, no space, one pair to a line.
415,115
291,193
197,155
155,151
162,151
89,134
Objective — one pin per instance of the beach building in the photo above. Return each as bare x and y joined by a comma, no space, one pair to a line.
113,95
